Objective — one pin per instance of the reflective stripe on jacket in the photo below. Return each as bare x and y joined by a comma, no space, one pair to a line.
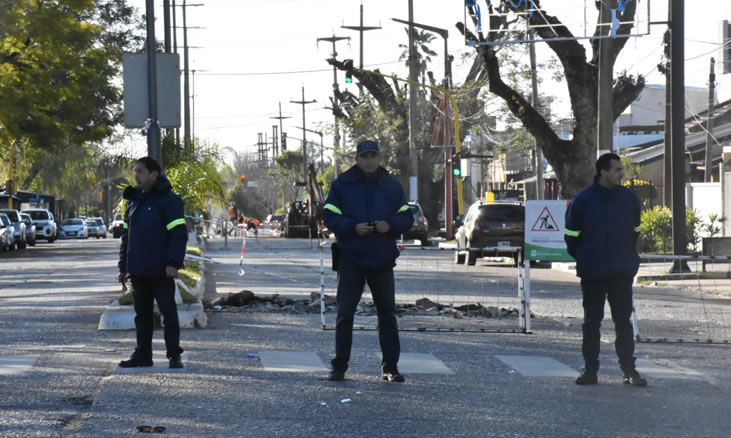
355,199
602,227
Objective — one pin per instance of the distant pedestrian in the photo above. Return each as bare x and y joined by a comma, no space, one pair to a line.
151,253
602,227
367,211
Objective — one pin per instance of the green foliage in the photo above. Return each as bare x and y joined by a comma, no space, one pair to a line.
657,230
196,179
325,179
59,63
713,227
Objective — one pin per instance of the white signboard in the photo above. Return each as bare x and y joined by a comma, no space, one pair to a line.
544,231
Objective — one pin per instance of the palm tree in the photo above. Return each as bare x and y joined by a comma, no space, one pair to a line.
422,39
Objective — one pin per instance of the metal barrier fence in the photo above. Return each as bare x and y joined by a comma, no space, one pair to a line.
433,293
687,307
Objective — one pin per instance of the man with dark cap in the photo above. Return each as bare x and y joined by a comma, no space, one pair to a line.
367,211
602,227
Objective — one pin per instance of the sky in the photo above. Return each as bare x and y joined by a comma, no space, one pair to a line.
252,55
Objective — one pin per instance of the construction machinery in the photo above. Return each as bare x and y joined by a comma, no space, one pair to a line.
304,218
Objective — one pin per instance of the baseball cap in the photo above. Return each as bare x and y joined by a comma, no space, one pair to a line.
367,146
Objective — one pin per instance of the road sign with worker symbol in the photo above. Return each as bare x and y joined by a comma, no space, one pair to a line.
545,222
544,230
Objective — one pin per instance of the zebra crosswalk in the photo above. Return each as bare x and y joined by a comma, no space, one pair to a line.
275,361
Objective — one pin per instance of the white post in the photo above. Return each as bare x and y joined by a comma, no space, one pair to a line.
526,295
322,287
521,296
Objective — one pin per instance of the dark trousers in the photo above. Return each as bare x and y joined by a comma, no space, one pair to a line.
618,291
352,279
146,291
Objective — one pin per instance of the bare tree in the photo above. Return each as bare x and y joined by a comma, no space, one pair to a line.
572,159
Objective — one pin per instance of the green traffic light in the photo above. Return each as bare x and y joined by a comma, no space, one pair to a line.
348,80
456,172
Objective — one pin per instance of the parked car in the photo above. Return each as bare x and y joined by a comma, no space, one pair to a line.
96,228
30,229
117,226
420,228
275,221
45,223
74,228
490,224
7,235
18,225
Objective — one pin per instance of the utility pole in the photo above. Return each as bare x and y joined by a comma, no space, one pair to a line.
303,102
605,101
360,30
413,128
709,127
275,142
680,242
153,131
334,39
166,23
186,86
281,131
668,150
175,50
192,98
534,103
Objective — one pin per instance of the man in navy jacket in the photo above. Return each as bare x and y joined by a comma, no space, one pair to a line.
367,211
602,227
151,253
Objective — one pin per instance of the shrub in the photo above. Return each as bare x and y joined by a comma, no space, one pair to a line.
656,233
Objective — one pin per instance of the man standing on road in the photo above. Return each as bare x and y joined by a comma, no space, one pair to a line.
367,211
152,251
602,227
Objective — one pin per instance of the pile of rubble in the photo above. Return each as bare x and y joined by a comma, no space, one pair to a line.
248,301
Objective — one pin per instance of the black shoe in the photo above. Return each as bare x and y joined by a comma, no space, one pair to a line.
136,360
587,377
336,375
633,378
393,376
176,362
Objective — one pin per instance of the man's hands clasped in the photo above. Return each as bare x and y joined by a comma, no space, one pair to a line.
368,228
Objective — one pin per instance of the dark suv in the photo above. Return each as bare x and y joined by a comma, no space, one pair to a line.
420,228
490,225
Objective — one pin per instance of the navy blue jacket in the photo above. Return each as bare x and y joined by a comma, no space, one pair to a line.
155,234
602,227
355,199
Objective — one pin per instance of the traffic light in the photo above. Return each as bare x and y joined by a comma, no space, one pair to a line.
284,141
456,169
243,178
348,65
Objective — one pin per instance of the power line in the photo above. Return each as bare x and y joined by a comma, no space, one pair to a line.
271,73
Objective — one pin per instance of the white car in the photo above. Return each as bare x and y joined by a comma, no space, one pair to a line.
45,223
7,233
96,227
74,228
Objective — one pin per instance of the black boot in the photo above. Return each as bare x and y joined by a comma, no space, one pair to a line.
632,377
137,359
587,377
336,375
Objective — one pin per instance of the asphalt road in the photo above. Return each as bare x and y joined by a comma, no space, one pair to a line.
51,298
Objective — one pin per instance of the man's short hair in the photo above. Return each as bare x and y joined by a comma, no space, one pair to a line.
605,162
150,164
